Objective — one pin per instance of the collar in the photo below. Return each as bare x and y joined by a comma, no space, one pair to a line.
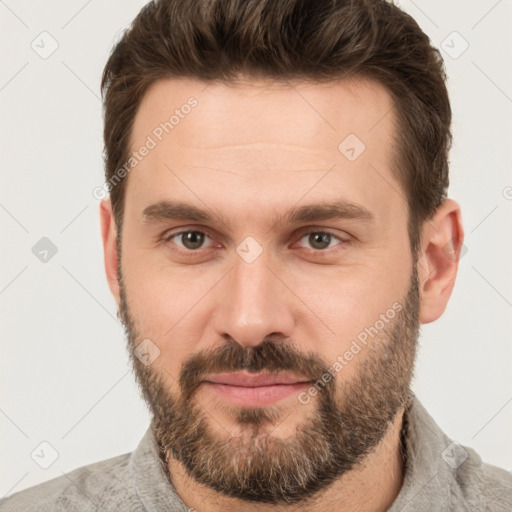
149,475
429,480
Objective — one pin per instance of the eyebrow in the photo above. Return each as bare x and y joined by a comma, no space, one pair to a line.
176,210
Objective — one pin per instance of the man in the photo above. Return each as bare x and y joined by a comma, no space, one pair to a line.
276,232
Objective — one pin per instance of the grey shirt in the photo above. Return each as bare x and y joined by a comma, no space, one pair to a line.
439,476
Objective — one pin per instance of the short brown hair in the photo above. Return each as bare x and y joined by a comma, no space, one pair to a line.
315,40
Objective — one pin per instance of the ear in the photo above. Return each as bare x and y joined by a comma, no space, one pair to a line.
108,233
441,245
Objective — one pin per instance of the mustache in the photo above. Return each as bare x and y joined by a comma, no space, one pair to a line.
269,356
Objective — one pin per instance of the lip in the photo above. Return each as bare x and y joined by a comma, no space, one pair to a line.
253,380
254,390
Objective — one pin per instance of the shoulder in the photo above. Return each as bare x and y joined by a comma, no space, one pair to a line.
482,484
91,487
444,475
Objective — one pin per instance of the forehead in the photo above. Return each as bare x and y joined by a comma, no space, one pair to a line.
264,111
274,142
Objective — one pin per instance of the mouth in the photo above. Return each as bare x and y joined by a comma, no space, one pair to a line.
254,390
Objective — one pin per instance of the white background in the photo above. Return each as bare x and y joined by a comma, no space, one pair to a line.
65,373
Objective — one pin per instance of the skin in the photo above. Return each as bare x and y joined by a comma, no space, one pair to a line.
249,152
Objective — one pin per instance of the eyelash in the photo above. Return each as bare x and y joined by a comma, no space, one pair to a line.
169,237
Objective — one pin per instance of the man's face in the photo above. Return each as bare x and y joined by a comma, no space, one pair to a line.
253,290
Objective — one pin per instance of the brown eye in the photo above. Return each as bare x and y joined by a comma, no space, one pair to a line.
321,240
190,240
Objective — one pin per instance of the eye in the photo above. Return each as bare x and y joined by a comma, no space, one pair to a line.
322,240
190,240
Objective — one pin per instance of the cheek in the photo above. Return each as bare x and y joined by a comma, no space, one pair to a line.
347,311
160,293
167,306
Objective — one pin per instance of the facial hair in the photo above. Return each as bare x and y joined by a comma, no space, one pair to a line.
346,420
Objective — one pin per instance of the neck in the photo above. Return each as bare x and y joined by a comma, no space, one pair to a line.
370,487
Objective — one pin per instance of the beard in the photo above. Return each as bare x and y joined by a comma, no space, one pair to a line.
344,422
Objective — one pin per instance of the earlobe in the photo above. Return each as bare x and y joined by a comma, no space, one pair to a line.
441,245
111,258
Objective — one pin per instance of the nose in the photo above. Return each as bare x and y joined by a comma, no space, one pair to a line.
255,304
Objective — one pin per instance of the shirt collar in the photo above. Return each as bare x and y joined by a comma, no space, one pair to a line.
149,475
429,480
